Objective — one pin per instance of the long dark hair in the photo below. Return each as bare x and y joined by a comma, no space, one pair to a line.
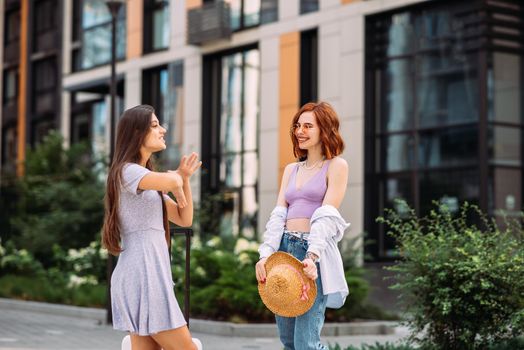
133,127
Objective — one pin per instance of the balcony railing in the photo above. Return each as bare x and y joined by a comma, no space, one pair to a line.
207,23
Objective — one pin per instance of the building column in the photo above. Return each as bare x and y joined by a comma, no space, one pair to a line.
65,117
135,25
269,128
133,88
2,20
289,94
22,87
192,113
288,9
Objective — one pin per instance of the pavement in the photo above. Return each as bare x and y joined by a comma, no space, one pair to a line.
31,326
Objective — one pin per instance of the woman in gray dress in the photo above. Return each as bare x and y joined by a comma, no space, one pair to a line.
136,229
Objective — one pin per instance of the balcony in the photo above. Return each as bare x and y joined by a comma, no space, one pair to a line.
210,22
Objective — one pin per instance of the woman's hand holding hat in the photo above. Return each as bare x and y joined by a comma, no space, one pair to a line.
310,269
285,288
260,269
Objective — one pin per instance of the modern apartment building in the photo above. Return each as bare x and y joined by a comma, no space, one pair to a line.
430,93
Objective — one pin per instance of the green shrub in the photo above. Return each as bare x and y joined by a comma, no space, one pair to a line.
223,283
224,286
59,200
377,346
19,262
461,277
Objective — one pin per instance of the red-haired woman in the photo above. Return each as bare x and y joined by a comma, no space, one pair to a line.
306,222
136,228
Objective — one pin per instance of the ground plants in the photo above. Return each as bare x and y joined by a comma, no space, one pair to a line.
461,276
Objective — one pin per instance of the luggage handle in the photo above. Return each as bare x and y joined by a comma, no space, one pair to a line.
187,233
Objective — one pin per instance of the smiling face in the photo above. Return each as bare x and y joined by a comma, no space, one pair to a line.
307,131
155,141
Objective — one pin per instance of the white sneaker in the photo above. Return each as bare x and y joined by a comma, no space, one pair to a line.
198,343
126,343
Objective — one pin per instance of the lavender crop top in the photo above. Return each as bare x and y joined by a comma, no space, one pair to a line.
303,202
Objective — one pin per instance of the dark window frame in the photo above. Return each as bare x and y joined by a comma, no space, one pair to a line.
150,7
45,82
309,6
308,66
242,26
148,89
9,36
211,152
78,34
482,45
52,23
5,99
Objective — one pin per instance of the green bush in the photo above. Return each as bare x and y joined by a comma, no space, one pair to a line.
48,290
224,286
223,283
18,262
356,305
377,346
76,277
512,344
59,200
461,277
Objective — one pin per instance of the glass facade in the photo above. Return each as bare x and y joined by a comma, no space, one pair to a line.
45,80
268,11
230,142
307,6
163,88
250,13
9,149
93,34
10,89
156,25
443,114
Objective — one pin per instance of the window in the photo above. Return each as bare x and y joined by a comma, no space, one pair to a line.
89,119
44,86
45,20
444,111
11,34
268,11
156,25
230,142
45,25
244,13
94,34
163,88
505,116
307,6
308,66
9,149
10,88
12,27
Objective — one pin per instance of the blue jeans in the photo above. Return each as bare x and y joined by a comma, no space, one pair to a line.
302,332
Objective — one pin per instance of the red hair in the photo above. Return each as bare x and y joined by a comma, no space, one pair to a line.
327,120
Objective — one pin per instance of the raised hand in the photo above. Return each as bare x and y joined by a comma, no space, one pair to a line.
178,189
188,165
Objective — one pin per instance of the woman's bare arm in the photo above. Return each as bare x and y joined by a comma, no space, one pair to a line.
337,182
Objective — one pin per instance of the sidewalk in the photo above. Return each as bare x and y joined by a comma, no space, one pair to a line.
28,328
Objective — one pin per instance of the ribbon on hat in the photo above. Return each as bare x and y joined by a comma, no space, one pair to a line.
305,285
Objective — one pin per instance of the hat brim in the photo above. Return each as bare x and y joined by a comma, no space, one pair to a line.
278,307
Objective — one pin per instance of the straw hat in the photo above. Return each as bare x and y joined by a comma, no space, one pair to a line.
282,292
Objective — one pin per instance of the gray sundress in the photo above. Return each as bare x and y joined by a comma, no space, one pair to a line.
142,296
